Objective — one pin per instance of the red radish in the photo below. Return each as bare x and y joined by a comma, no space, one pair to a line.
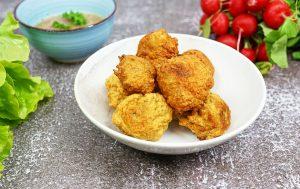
244,24
225,5
203,19
237,7
278,1
249,53
262,54
220,23
210,7
229,40
275,13
256,5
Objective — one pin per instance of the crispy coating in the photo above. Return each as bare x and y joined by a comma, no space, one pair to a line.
145,117
185,81
209,122
136,74
115,91
203,58
158,44
159,62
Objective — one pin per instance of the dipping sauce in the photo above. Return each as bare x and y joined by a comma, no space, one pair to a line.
73,20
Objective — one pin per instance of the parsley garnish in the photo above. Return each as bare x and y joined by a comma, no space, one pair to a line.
76,18
60,25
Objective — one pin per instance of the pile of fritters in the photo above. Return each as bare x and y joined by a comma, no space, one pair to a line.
159,84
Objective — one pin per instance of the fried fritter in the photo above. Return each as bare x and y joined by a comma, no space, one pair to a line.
145,117
210,121
200,55
115,91
136,74
185,81
157,63
158,44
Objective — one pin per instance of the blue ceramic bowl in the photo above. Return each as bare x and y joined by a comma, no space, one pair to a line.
70,45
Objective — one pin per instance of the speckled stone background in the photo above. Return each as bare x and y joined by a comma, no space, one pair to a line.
59,148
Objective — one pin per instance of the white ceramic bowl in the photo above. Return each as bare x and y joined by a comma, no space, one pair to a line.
237,81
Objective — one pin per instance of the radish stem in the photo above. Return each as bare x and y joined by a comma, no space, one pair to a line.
239,40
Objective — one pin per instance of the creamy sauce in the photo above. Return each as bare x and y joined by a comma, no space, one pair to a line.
47,22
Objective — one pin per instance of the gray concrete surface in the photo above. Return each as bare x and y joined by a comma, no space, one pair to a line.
59,148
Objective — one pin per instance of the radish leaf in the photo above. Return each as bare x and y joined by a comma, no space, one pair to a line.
278,52
264,67
273,36
292,42
265,29
206,28
296,55
290,28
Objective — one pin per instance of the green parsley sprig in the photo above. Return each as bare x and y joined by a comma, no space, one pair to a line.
59,25
75,19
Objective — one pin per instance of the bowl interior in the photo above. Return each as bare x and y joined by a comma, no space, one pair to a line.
237,81
32,12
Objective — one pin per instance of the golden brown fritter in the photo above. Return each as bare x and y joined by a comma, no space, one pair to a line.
185,81
157,63
210,121
115,91
136,74
158,44
200,55
145,117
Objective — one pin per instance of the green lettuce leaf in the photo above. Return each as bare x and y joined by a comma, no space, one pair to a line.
2,75
6,143
11,123
9,104
20,93
28,90
13,47
9,24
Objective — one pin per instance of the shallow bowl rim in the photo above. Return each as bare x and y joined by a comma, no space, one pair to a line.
62,31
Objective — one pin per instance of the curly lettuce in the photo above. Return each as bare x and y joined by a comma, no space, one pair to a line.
6,143
13,47
20,92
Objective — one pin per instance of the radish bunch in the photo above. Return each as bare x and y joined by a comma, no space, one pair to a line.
262,30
